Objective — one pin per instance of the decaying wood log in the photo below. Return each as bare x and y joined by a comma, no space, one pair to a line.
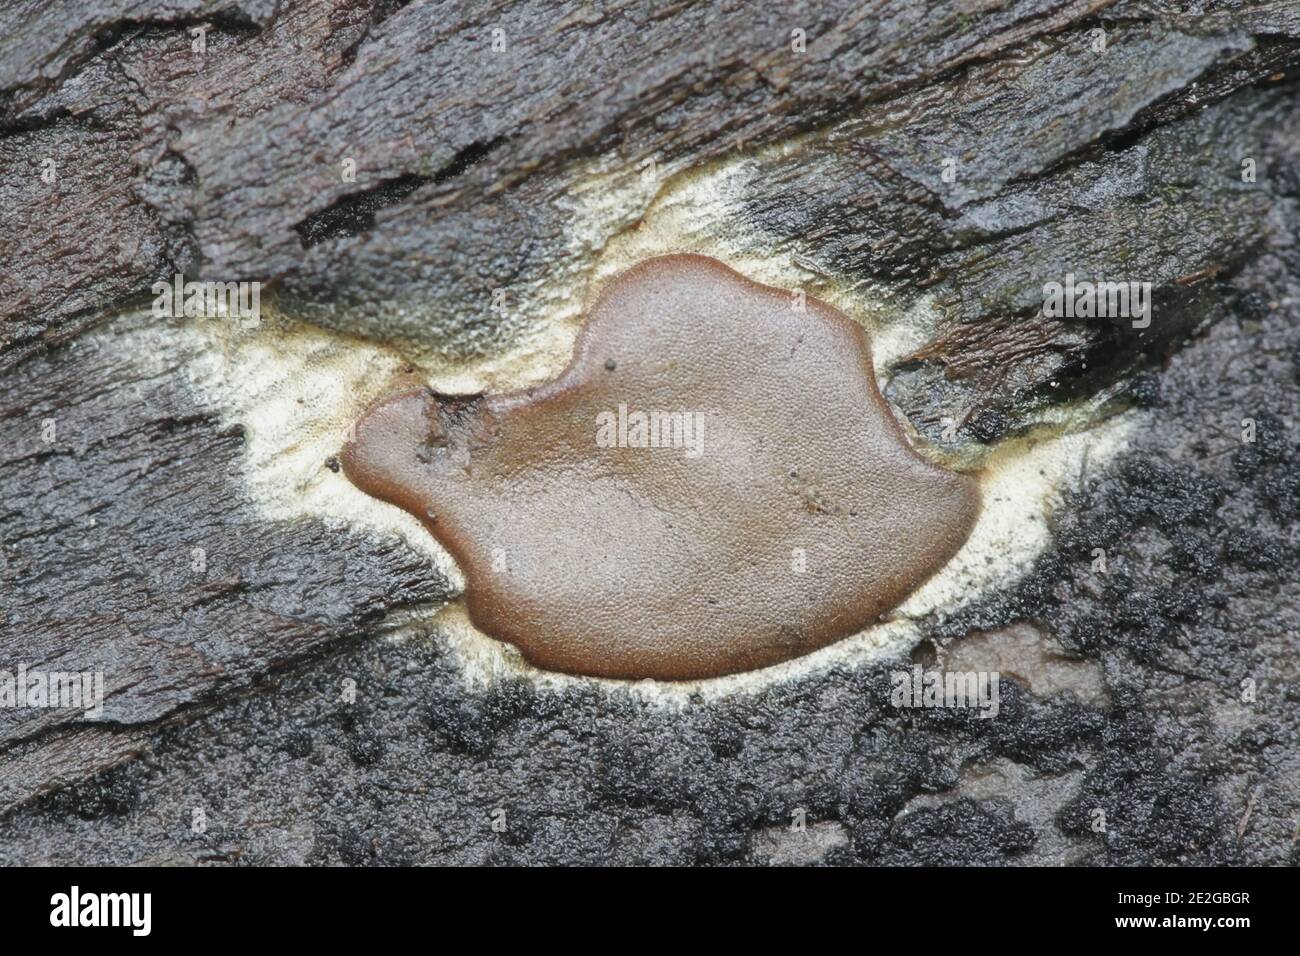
387,170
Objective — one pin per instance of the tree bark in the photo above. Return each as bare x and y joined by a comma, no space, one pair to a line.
385,168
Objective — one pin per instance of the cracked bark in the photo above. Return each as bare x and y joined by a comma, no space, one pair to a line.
226,165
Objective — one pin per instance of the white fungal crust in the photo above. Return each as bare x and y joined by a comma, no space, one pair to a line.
297,389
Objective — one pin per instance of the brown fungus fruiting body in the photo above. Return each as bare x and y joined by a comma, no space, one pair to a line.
714,484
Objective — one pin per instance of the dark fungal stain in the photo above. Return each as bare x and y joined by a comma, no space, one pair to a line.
782,510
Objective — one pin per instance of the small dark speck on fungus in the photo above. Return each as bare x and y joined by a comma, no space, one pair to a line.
738,495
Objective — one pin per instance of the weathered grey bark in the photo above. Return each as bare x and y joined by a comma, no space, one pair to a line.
227,165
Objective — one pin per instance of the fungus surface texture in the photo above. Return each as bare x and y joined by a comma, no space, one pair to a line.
713,484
